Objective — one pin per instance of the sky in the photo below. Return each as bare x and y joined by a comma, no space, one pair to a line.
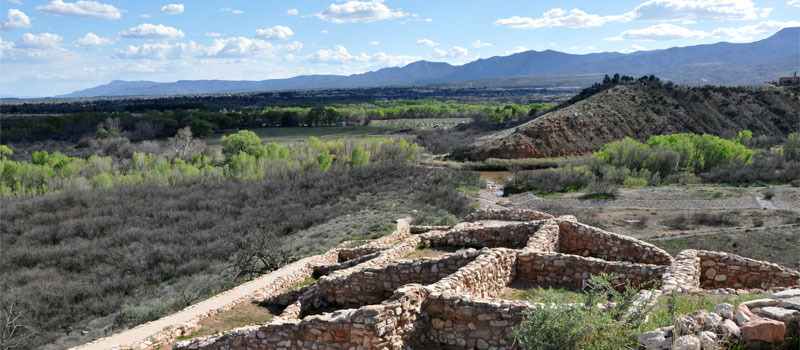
53,47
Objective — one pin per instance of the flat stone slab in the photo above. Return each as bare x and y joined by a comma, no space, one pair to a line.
789,293
760,303
781,314
790,303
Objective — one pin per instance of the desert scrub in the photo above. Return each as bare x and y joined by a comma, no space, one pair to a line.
586,325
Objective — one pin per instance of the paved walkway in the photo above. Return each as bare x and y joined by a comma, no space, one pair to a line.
144,331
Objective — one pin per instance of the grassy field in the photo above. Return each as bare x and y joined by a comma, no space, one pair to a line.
291,135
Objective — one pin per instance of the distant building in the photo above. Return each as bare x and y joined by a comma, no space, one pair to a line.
789,81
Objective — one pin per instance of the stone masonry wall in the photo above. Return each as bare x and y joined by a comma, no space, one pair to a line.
466,323
507,215
510,236
546,238
584,240
723,270
375,284
377,245
684,274
483,278
572,271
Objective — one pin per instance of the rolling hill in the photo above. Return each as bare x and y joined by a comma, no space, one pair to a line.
640,111
717,64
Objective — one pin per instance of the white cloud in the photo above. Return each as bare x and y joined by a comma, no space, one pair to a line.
323,31
557,17
144,15
151,31
214,35
85,9
233,11
274,33
660,32
38,41
359,11
426,42
172,9
478,44
159,51
92,40
455,52
292,12
652,10
765,12
15,19
339,55
747,33
632,48
517,49
795,3
374,43
293,46
237,47
18,2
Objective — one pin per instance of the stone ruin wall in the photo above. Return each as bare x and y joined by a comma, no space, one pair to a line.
510,236
723,270
508,215
545,239
572,271
584,240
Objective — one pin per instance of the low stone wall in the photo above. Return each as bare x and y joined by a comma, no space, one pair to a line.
417,229
507,215
723,270
324,270
391,325
510,236
373,285
546,238
684,274
584,240
466,323
485,277
403,230
572,271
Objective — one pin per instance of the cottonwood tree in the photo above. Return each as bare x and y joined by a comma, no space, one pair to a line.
260,251
15,334
184,145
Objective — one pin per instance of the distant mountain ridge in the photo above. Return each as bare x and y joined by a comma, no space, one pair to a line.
717,64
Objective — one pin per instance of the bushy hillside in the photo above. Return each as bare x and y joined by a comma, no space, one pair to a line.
640,111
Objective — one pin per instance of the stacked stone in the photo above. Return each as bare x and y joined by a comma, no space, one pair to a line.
417,229
485,277
545,239
572,271
514,235
723,270
584,240
324,270
507,215
403,230
374,284
467,323
761,324
684,274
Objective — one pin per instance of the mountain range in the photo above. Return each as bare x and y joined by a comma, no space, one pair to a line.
722,63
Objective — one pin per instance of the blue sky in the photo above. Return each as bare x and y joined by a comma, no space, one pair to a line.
51,47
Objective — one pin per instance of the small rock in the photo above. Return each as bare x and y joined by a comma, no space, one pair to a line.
686,325
725,310
741,318
730,330
712,321
763,329
708,340
688,342
699,316
654,340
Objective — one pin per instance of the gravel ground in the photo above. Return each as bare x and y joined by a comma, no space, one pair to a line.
531,201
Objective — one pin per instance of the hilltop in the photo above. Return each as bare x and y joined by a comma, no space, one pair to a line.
640,111
721,63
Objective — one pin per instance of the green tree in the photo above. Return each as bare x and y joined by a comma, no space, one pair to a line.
201,128
243,141
324,161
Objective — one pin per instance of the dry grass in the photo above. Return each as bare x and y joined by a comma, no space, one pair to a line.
241,315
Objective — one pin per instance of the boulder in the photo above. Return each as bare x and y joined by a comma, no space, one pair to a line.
781,314
763,329
725,310
688,342
686,325
699,316
741,318
760,303
712,321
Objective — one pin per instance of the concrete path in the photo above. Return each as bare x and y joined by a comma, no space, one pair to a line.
144,331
